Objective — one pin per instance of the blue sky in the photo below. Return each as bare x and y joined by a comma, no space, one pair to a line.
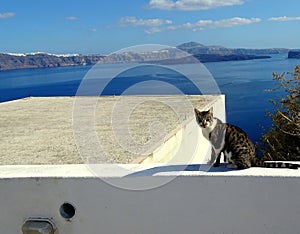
104,26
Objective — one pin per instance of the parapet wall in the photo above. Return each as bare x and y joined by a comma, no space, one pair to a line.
186,144
178,200
179,195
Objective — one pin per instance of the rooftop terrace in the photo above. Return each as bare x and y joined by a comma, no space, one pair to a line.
130,198
39,130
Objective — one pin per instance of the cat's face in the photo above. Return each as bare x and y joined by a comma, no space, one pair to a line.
204,118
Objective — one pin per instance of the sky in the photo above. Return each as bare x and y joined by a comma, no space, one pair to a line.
106,26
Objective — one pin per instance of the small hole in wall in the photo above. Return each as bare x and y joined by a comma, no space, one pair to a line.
67,210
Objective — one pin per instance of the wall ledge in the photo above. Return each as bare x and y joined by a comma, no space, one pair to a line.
136,170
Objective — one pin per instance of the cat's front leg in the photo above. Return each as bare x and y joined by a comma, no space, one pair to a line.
217,163
225,157
213,158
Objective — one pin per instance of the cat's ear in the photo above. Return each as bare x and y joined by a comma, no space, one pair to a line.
211,110
197,113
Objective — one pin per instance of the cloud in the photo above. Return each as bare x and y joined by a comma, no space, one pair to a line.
162,29
71,18
154,30
191,5
227,23
7,15
133,21
157,25
89,30
283,18
207,24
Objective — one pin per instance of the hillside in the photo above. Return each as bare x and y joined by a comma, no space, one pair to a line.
197,48
185,53
43,60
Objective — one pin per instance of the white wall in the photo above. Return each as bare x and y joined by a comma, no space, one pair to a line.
187,144
213,202
154,198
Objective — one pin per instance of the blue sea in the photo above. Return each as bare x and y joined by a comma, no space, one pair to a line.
243,82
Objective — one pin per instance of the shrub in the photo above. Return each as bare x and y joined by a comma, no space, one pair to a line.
282,140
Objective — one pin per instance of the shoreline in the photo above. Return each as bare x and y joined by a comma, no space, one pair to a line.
51,61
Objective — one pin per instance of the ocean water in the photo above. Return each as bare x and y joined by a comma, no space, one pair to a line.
243,82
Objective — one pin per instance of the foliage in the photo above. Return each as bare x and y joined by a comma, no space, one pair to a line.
282,140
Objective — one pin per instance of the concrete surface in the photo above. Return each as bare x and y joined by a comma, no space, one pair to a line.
40,130
255,200
131,198
187,145
137,170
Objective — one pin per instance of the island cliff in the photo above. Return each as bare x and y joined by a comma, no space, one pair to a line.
192,51
43,60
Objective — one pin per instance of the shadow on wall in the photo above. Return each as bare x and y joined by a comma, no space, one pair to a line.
181,168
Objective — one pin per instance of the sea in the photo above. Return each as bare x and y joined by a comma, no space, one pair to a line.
244,83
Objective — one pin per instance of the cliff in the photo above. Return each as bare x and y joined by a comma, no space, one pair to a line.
185,53
197,48
204,58
43,60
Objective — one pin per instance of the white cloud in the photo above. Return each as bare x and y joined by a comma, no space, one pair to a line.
207,24
71,18
90,30
162,29
283,18
7,15
156,25
133,21
154,30
232,22
191,5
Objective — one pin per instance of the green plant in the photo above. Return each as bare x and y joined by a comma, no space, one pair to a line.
282,140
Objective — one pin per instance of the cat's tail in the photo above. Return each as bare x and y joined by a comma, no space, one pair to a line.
279,164
259,162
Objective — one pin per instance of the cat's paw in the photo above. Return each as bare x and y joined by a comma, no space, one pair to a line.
216,164
231,166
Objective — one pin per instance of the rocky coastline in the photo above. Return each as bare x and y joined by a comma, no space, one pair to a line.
185,53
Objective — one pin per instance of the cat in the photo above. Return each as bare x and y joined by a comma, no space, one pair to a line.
233,142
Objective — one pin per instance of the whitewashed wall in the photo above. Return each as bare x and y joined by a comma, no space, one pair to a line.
247,201
187,144
153,198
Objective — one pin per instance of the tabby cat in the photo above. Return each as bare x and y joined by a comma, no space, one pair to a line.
233,142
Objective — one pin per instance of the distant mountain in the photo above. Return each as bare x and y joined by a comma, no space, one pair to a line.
185,53
43,60
196,48
205,58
